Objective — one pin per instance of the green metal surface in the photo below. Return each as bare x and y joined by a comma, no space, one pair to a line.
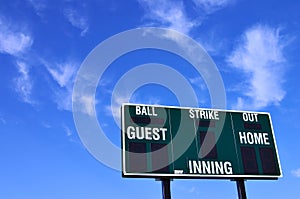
179,142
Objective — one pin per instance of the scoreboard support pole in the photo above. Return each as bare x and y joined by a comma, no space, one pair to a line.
240,183
166,188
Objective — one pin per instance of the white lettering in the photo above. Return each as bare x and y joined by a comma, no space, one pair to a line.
219,168
206,167
145,110
254,138
243,139
140,133
210,167
130,132
251,117
258,138
191,113
155,132
197,167
163,132
228,167
266,139
250,138
190,166
137,110
204,114
146,133
216,115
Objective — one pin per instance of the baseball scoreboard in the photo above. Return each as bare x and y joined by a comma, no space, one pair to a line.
182,142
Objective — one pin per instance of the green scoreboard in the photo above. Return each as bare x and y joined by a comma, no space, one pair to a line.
180,142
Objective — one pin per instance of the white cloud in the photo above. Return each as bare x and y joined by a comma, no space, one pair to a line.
13,41
172,14
193,190
169,13
71,136
88,104
46,124
210,6
16,42
259,56
296,173
198,81
114,108
67,130
23,83
39,6
2,119
77,20
63,74
63,98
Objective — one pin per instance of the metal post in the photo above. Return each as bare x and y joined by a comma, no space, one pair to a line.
166,190
241,188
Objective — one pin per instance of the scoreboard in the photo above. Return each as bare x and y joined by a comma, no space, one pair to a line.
181,142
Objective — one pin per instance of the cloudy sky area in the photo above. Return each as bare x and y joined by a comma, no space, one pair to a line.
254,44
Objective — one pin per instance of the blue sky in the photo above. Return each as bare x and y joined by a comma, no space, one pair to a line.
255,45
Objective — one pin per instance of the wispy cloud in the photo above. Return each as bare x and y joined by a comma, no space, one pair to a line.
71,136
87,103
46,124
63,74
67,130
194,190
187,189
173,15
210,6
23,83
259,55
170,14
2,119
39,6
198,82
117,101
296,173
77,20
13,40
